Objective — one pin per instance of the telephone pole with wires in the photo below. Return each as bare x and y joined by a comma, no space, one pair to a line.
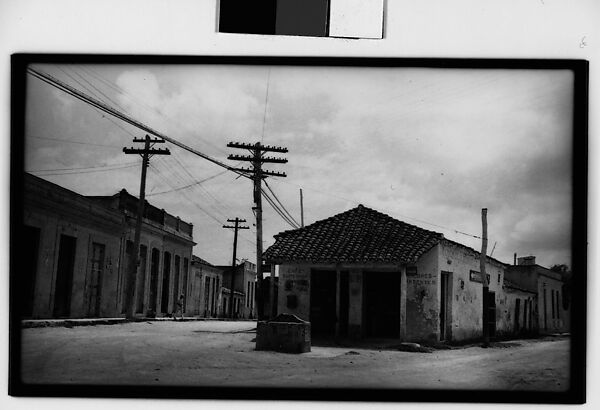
235,228
146,153
484,280
301,209
257,159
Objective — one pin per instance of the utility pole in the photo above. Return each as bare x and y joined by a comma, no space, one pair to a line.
484,280
235,228
146,153
301,209
258,174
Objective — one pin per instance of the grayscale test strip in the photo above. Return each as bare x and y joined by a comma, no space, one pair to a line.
313,18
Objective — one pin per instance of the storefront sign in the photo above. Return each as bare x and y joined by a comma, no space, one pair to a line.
411,271
475,276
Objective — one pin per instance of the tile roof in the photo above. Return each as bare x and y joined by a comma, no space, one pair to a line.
358,235
513,285
200,261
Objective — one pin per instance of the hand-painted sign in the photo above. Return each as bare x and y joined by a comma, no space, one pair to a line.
475,276
411,271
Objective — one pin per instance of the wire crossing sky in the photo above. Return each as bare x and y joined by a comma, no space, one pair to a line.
427,146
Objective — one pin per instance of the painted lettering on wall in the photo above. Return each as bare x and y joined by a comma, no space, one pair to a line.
294,273
475,276
300,285
411,271
422,279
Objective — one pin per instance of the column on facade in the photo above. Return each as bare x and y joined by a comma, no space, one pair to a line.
337,300
403,303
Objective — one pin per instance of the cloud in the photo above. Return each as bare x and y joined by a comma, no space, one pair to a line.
428,146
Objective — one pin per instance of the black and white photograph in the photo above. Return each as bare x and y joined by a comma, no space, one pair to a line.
319,226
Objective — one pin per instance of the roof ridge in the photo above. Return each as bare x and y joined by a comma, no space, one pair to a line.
358,234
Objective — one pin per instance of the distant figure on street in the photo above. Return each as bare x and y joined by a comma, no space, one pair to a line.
179,308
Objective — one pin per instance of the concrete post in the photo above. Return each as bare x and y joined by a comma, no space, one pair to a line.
337,301
403,303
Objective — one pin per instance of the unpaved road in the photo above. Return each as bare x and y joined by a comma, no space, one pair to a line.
222,354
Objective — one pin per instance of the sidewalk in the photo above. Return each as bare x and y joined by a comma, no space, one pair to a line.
35,323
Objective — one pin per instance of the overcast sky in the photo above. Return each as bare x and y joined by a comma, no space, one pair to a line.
427,146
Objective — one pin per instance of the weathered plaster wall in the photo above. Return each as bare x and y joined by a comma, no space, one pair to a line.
199,301
155,239
422,298
560,321
355,303
59,212
51,228
506,319
524,276
467,305
294,283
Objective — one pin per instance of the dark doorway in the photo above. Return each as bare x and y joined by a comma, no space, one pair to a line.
344,302
445,297
198,289
525,315
322,302
382,304
531,324
128,257
517,314
95,280
164,301
184,285
140,283
30,260
491,316
175,295
206,296
154,266
545,314
64,276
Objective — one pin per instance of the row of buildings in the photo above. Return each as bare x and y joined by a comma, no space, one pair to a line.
357,274
75,251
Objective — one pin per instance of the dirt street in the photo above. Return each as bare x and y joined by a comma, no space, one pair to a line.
222,353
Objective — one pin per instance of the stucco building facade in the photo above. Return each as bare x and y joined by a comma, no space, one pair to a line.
552,305
206,298
362,273
77,249
244,290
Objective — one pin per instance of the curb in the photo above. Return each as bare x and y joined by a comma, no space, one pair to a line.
29,324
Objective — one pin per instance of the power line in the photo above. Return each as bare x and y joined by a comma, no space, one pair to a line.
390,212
73,141
271,202
183,193
85,172
279,211
141,103
158,173
71,169
97,89
98,98
279,202
189,185
266,102
104,107
175,173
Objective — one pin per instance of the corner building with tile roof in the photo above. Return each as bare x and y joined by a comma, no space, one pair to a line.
364,274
